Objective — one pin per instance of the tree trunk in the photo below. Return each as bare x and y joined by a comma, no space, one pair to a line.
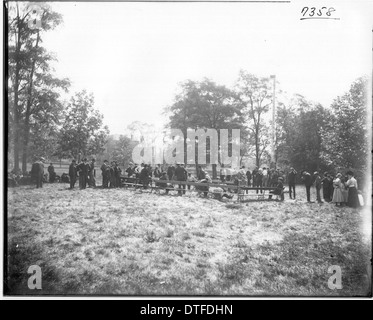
15,105
26,134
196,157
214,172
16,130
257,152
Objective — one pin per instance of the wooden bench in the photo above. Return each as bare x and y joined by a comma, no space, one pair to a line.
259,195
131,182
228,187
195,184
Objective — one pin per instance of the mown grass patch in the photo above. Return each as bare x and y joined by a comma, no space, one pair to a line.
120,242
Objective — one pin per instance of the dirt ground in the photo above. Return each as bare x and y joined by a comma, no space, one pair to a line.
126,242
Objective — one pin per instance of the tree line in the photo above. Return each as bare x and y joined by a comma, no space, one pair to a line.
307,136
43,123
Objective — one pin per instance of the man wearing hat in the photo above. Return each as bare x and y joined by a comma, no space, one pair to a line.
307,179
117,173
72,173
52,173
181,175
92,174
317,180
170,172
327,185
105,172
37,172
157,171
145,178
291,179
112,175
83,173
164,185
279,191
129,170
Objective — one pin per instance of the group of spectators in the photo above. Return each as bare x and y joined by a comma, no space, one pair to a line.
341,189
83,170
144,174
259,177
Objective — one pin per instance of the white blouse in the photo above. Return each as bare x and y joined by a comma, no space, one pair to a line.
351,183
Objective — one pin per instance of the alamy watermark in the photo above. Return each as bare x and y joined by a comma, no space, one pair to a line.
170,148
335,281
34,21
34,282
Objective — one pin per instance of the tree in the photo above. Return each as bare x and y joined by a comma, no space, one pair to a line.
123,150
345,137
119,150
204,105
299,127
83,130
31,84
256,97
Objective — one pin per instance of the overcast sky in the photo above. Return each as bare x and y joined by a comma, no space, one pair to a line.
132,56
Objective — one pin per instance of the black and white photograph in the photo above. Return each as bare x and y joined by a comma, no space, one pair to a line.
187,149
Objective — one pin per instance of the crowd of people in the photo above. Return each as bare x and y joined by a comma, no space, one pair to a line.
341,189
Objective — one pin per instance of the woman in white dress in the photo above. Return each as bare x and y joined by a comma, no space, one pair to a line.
338,197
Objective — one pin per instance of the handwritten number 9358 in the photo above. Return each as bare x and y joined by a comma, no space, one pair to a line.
317,13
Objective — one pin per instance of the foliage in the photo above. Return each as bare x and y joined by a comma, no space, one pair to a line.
345,137
83,130
205,105
33,89
298,137
256,97
119,150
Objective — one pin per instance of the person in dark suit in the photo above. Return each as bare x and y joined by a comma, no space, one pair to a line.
150,169
248,176
327,186
112,175
223,173
130,170
253,176
92,174
181,175
157,172
37,172
259,179
170,172
105,172
82,169
317,179
291,180
72,174
117,173
144,176
274,178
201,173
307,179
52,173
164,185
279,191
205,178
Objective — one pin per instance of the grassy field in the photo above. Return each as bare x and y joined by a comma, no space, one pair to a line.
124,242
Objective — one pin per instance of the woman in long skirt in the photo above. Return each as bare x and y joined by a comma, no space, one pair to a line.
338,197
344,189
353,199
